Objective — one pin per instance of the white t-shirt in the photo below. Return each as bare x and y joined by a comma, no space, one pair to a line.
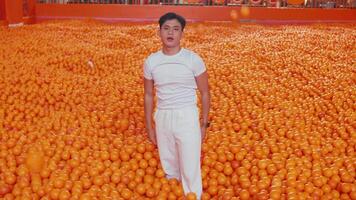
174,77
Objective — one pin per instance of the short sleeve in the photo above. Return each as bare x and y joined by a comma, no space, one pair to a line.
147,70
198,65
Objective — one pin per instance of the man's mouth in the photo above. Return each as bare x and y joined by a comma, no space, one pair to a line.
170,39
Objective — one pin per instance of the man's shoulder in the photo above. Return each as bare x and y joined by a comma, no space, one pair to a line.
188,52
154,55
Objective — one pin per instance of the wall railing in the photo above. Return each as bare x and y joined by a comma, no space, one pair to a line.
253,3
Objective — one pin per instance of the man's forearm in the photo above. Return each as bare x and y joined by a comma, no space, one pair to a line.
148,105
205,107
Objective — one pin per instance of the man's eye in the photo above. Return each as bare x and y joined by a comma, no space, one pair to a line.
176,29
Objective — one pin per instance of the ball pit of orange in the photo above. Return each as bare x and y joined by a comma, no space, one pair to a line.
282,112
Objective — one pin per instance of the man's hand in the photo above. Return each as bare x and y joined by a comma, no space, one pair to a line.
152,135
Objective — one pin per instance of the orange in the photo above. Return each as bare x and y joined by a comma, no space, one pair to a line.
178,191
234,15
35,160
244,195
151,192
159,173
126,193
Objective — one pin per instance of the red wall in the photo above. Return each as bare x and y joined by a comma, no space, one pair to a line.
32,7
112,13
2,10
13,10
31,11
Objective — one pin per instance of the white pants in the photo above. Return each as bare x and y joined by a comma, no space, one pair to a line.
179,146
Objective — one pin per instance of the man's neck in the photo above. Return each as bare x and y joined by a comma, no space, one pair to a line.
171,51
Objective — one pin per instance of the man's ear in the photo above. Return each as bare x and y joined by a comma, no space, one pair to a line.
158,31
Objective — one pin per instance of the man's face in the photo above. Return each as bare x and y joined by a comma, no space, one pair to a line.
171,33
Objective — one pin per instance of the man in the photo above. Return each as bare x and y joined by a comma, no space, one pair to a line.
176,73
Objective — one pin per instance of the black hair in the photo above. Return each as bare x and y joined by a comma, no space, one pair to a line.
170,16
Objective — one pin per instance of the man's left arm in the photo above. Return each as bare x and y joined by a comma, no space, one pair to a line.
203,87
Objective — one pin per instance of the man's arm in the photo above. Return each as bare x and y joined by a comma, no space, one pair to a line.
203,87
148,106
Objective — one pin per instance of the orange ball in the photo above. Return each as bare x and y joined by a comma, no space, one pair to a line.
35,160
191,196
234,15
245,11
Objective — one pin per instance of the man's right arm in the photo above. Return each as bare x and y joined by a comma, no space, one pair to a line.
148,106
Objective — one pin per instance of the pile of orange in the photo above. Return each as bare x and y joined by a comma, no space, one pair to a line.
72,122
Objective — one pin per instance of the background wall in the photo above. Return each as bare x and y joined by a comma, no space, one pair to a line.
28,11
14,11
2,10
117,12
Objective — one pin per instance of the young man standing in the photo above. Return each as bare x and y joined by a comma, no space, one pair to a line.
176,73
